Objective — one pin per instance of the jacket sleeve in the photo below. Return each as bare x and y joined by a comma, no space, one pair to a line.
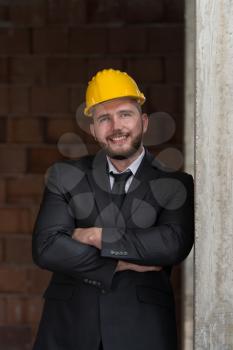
53,247
166,243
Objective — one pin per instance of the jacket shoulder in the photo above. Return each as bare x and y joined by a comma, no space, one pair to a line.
66,174
82,163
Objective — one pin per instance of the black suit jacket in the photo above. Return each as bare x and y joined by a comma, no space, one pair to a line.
86,299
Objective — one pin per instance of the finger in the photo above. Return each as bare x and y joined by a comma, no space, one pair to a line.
158,268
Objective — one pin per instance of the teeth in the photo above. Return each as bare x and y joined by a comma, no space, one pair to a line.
119,138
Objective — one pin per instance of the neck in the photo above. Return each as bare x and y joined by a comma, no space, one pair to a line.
123,164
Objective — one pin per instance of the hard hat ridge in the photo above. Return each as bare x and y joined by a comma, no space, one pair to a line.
109,84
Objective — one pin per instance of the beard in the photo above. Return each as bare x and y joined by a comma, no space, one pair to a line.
123,154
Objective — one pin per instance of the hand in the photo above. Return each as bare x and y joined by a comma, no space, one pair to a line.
123,265
90,236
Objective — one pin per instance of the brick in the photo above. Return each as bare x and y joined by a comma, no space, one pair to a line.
18,250
13,279
50,41
28,14
71,145
127,40
21,310
14,41
49,100
15,337
55,128
161,129
28,70
164,129
102,11
138,11
12,160
97,64
40,159
3,70
77,97
174,69
3,129
4,100
66,70
57,70
78,12
2,311
33,309
77,72
15,310
166,39
88,41
146,70
174,10
4,13
25,190
19,99
177,138
2,190
25,130
15,221
38,280
166,99
66,12
2,246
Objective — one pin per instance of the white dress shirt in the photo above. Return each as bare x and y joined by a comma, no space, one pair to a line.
133,167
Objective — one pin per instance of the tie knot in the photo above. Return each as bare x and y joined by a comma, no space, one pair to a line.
118,189
121,177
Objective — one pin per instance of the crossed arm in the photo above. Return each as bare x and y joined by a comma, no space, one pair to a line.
93,236
59,246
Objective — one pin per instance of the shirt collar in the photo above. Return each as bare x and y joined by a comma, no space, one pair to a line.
133,166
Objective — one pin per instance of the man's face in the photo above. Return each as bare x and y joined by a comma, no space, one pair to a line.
118,125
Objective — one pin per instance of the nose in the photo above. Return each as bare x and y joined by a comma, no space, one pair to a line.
116,122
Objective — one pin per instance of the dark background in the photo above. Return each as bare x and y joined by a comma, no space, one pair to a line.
49,49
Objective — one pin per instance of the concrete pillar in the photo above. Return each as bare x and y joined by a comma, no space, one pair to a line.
214,176
189,122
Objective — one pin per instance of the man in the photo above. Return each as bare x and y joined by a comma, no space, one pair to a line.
111,227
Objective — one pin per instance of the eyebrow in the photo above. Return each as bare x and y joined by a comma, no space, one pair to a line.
103,115
118,112
125,111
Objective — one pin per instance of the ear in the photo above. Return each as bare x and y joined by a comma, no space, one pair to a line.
92,130
145,122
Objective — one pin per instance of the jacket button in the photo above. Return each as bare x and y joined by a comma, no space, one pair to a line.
103,291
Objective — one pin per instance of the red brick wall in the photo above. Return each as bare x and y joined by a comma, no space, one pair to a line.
48,51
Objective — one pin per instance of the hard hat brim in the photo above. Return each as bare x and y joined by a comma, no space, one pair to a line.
141,100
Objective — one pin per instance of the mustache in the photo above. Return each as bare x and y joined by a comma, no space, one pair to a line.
118,134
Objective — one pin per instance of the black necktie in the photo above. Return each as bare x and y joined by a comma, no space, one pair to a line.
118,189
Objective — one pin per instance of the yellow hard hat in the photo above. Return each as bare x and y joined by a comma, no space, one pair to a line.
109,84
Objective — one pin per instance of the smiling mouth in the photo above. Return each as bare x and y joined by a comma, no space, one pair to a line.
118,139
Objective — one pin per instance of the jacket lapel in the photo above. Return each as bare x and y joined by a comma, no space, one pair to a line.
99,182
140,186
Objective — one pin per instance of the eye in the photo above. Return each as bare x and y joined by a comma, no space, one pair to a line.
103,119
126,114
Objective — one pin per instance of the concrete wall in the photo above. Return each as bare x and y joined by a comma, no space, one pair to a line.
189,138
214,176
